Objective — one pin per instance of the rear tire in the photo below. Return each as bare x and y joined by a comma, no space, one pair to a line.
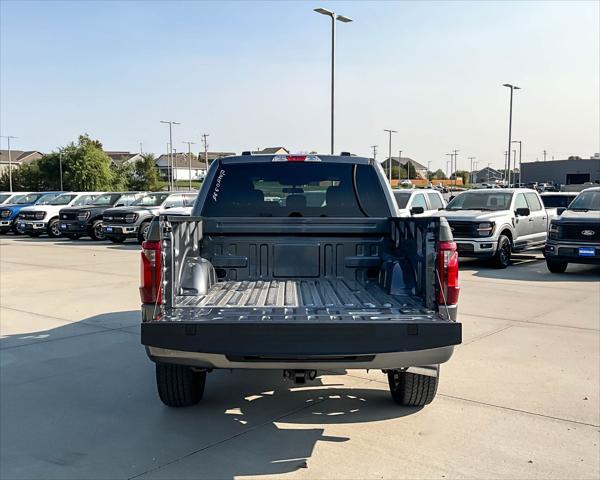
503,253
556,266
96,231
117,239
52,229
178,385
412,389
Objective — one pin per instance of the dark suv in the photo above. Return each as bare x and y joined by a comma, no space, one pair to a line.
134,221
574,236
76,222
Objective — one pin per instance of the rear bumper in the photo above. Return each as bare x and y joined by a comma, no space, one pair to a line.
120,230
378,345
569,252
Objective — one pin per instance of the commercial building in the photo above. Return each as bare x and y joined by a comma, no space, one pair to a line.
574,170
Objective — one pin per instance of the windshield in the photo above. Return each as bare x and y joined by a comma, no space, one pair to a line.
106,199
29,198
4,196
289,189
586,201
61,199
47,198
481,201
151,200
402,199
556,201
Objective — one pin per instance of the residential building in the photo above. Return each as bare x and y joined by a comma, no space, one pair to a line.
486,175
572,171
119,158
272,151
420,170
18,158
182,167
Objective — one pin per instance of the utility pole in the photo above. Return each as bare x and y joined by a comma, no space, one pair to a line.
141,149
451,155
8,137
171,123
471,171
514,163
520,149
189,144
455,164
512,89
205,143
505,163
400,171
174,166
374,147
390,153
342,19
545,155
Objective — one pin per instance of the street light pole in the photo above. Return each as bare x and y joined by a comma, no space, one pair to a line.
189,144
171,123
471,171
512,89
60,154
343,19
390,154
374,147
455,164
400,171
520,142
8,137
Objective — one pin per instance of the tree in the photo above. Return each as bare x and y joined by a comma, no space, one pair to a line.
437,175
86,167
145,175
464,174
122,177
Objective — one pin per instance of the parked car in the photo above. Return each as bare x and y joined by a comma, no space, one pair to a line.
554,200
87,219
133,221
494,223
10,197
406,183
574,236
39,219
10,212
248,283
421,202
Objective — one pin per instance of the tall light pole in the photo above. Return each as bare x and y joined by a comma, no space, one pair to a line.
390,154
174,169
342,19
455,164
451,155
189,144
471,171
400,171
8,137
171,123
512,89
520,148
60,154
374,147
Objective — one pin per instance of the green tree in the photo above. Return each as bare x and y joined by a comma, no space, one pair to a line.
145,174
122,177
86,167
461,174
437,175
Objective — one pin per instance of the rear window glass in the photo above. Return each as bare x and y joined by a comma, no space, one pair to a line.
295,190
556,201
402,198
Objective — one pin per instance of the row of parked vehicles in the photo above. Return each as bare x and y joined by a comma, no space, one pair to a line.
114,216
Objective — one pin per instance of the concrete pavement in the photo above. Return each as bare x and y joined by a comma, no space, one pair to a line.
520,398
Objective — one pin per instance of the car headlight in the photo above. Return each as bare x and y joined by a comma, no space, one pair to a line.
485,229
83,216
554,231
5,213
40,215
131,217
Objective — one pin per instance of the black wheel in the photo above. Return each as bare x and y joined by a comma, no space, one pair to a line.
556,266
412,389
143,232
178,385
52,229
16,230
73,236
116,239
502,257
96,232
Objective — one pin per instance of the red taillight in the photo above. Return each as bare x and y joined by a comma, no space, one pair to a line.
448,272
150,273
296,158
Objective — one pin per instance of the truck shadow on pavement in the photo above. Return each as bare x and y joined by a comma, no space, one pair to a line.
79,401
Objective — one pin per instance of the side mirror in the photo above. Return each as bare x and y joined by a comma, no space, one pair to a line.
560,210
417,210
522,212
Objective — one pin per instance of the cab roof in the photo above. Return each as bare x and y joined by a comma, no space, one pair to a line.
296,158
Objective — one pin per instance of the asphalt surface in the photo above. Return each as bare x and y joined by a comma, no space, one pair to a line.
519,399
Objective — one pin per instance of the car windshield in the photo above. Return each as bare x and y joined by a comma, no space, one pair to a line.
29,198
152,200
47,198
106,199
481,201
62,199
295,189
4,196
556,201
402,199
586,201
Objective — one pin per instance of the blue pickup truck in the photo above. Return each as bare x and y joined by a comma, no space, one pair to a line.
10,212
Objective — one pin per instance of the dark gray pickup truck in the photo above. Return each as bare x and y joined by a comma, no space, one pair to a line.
260,278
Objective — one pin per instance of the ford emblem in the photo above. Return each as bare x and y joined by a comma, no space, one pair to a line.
588,233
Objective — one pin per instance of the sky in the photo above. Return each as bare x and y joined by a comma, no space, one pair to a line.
257,74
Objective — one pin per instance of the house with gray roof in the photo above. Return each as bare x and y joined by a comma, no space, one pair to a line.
18,158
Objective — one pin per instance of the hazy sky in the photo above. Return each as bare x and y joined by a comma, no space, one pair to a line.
256,74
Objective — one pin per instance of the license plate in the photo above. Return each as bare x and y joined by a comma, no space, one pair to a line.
63,226
109,229
21,225
587,252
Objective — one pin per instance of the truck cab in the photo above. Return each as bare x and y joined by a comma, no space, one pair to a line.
418,202
494,223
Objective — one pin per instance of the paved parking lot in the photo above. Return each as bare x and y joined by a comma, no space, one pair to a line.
520,398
